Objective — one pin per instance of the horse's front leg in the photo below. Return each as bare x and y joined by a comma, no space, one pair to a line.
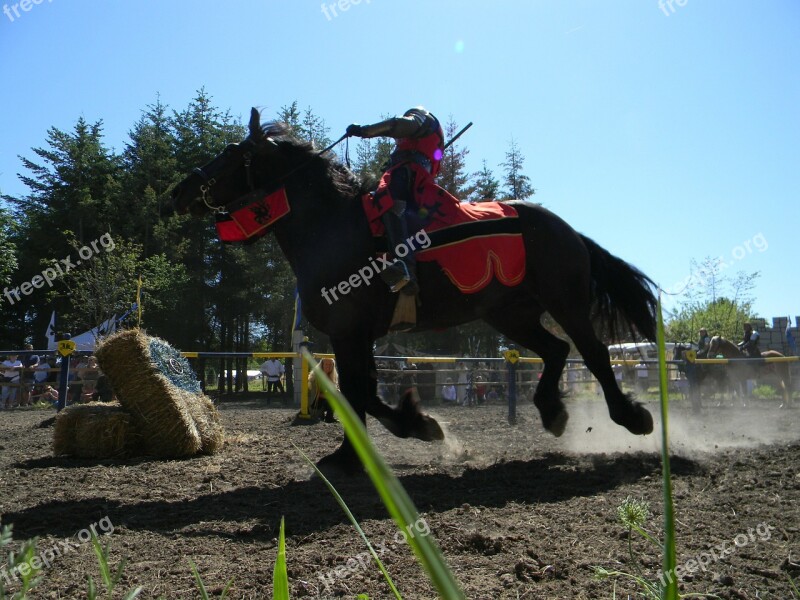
407,420
353,359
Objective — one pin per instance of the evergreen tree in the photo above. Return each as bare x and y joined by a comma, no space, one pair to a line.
8,256
150,171
452,175
372,157
72,191
518,186
305,126
200,132
487,187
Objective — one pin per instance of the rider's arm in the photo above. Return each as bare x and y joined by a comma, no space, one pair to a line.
396,127
416,122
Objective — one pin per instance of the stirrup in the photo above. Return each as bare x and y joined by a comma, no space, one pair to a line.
398,276
400,284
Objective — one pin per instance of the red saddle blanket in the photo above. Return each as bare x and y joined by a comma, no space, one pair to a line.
472,243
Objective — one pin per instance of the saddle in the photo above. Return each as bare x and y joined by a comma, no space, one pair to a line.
473,243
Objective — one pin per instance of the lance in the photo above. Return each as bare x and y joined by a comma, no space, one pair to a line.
458,135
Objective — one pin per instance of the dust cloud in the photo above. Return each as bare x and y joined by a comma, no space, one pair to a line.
714,428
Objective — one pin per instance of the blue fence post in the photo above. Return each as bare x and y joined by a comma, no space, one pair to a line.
65,348
512,357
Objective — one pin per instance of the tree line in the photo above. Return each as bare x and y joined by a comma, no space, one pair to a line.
195,292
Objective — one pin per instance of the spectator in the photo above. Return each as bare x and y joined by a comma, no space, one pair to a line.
703,343
89,376
11,375
30,362
42,371
75,389
47,393
449,392
480,389
273,370
319,401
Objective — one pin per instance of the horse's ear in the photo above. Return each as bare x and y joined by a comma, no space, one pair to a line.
255,124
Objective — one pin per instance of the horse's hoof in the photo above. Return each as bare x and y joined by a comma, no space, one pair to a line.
340,464
427,429
635,418
558,424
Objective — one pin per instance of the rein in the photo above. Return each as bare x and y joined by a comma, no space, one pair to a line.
205,188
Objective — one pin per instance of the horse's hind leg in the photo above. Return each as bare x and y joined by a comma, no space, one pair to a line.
523,326
622,409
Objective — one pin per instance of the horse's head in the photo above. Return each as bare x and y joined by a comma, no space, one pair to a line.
238,170
713,345
679,350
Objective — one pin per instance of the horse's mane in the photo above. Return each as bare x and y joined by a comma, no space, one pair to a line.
324,165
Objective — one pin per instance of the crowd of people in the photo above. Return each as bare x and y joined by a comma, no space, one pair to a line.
28,378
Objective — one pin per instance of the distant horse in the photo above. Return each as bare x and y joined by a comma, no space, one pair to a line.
326,238
745,370
699,375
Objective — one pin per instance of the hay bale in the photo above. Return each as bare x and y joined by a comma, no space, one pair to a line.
96,430
156,385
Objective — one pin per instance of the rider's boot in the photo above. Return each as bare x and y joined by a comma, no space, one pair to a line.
401,274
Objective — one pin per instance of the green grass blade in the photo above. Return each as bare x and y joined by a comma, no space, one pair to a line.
199,580
391,491
91,593
353,520
670,591
795,591
280,578
102,561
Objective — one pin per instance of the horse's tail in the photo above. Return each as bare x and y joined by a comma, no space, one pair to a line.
622,295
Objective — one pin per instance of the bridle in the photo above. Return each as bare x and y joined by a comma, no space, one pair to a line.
209,180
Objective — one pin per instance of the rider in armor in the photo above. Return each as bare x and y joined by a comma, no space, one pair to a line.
414,163
703,343
749,345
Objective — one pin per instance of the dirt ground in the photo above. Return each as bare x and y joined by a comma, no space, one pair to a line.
517,513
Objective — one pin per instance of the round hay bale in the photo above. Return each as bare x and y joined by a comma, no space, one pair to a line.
156,385
96,430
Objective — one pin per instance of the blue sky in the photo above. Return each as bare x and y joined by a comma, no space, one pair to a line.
666,133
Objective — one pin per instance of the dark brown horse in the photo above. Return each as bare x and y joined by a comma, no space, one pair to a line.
326,238
744,370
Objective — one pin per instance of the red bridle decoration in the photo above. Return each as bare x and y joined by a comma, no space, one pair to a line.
250,217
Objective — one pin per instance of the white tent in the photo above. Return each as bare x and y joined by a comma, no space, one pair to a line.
85,341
